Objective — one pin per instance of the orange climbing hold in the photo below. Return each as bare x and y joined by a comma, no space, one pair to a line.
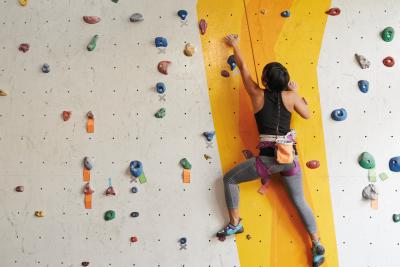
90,122
66,115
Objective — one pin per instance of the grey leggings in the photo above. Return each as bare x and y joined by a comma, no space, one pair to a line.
246,171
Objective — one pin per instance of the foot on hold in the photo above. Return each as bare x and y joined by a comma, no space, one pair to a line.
333,11
230,229
136,17
189,50
339,114
163,66
285,14
388,62
363,85
366,160
203,26
3,93
387,34
93,42
362,61
160,113
318,252
24,47
91,19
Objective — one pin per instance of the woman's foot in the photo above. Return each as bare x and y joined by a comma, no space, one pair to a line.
231,229
318,252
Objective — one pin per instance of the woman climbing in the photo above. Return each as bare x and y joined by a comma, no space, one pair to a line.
272,109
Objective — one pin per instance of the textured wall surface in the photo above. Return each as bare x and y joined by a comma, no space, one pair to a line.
117,82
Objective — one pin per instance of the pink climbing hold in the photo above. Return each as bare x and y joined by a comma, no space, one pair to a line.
388,62
91,19
203,26
313,164
24,47
66,115
163,66
225,73
333,11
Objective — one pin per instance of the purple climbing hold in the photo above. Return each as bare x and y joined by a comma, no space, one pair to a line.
225,73
203,26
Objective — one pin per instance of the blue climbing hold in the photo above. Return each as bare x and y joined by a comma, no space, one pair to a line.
363,85
160,87
339,114
134,190
209,135
182,14
231,61
161,42
285,14
136,168
46,68
394,164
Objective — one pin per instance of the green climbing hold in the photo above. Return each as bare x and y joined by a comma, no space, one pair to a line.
387,34
115,1
109,215
160,113
186,164
92,44
396,218
366,161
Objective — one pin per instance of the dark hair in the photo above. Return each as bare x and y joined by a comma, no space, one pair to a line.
275,76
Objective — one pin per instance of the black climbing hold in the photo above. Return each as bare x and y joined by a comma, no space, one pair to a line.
182,240
134,214
161,42
46,68
134,190
285,13
19,188
363,85
182,14
339,114
396,218
232,62
85,263
160,87
394,164
136,17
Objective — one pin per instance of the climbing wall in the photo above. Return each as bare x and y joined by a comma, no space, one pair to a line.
365,236
116,81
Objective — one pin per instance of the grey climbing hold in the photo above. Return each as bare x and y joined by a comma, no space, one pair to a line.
160,113
136,17
366,160
189,50
363,85
93,42
362,61
339,114
370,192
160,87
46,68
88,162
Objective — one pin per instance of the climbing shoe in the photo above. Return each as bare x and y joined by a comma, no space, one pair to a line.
230,229
318,252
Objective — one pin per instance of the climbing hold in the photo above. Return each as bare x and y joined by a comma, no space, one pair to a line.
160,87
396,218
109,215
203,26
362,61
285,13
134,239
207,157
136,168
263,11
91,19
161,42
370,192
182,14
24,47
134,190
209,135
186,164
313,164
135,214
3,93
39,213
93,42
247,154
248,237
339,114
110,191
366,160
163,66
46,68
88,162
387,34
90,115
66,115
394,164
363,85
333,11
183,243
23,2
225,73
85,263
388,62
114,1
136,17
19,188
189,50
384,176
160,113
232,62
87,190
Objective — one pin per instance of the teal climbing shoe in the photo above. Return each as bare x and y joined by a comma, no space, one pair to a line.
318,252
230,229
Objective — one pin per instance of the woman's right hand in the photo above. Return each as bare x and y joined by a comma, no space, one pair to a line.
231,40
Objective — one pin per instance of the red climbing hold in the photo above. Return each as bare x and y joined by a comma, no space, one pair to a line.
163,66
90,115
333,11
203,26
388,61
85,263
313,164
24,47
134,239
91,19
19,188
66,115
225,73
110,191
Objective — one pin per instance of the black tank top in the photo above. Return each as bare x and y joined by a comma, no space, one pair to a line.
267,117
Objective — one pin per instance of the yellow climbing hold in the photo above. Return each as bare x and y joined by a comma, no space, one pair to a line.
39,213
23,2
3,93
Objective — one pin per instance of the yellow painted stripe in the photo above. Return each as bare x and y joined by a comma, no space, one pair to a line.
278,236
